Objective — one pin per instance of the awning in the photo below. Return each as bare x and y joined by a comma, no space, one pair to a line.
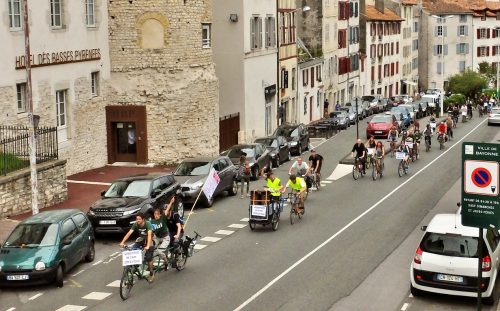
410,82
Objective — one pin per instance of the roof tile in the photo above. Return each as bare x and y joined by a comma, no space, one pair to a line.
375,15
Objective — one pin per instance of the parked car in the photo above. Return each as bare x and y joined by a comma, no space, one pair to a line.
45,246
374,102
379,126
446,260
351,113
339,118
361,109
405,113
115,211
396,115
431,99
494,116
278,148
296,135
403,98
192,173
256,154
367,108
411,110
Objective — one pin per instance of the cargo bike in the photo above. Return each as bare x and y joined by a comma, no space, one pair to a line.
264,209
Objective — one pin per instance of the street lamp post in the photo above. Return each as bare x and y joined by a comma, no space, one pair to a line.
498,62
33,120
357,119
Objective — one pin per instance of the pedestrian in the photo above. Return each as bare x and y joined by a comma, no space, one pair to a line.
281,113
326,104
337,106
244,173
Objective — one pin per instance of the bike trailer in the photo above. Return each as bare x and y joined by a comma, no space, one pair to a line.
260,205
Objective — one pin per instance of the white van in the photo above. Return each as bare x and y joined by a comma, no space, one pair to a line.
432,99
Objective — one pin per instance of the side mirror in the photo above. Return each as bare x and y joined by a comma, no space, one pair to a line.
66,242
423,228
103,192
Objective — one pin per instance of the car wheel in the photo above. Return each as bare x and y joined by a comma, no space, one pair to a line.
233,190
491,299
415,291
59,276
91,253
209,202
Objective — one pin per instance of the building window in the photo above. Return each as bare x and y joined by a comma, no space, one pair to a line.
206,36
461,66
439,32
256,33
21,97
94,77
483,51
461,30
438,49
15,14
61,108
55,13
463,18
483,33
462,48
270,32
415,27
294,73
439,67
89,13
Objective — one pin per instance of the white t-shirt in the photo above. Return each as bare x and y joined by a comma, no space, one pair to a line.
301,169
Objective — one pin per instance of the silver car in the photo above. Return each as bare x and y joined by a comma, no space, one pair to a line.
494,116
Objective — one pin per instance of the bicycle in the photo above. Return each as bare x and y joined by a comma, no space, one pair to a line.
316,180
440,139
427,140
378,168
357,169
403,164
369,161
297,208
393,147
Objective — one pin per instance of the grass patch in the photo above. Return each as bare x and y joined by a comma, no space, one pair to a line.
10,163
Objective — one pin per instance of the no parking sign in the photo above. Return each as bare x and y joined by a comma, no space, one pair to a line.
480,178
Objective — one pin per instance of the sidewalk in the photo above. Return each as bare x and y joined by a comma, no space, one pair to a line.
84,189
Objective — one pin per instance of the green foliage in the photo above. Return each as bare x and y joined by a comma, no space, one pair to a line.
486,69
10,163
453,100
469,83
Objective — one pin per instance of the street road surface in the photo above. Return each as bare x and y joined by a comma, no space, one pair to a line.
351,251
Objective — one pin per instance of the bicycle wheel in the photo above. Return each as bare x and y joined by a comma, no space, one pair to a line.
292,215
181,261
252,225
300,213
275,221
374,172
368,163
401,169
355,172
126,283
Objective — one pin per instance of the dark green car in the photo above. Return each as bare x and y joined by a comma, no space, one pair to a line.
43,247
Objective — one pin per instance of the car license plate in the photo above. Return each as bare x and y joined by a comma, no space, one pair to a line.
18,277
378,132
450,278
107,222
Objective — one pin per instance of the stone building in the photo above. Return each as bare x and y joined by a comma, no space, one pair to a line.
70,71
163,97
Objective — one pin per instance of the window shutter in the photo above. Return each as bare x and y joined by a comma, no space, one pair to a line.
467,48
397,47
446,49
267,31
488,33
494,33
458,48
252,34
439,68
466,30
435,49
478,33
373,73
488,50
478,51
445,31
458,30
436,31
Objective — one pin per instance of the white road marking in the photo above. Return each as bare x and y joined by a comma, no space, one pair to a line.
199,246
224,232
114,284
326,181
244,219
35,296
405,306
114,254
239,226
96,296
352,222
340,171
210,239
71,308
88,182
97,262
410,295
11,309
79,272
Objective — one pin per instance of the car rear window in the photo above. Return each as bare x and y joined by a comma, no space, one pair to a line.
450,245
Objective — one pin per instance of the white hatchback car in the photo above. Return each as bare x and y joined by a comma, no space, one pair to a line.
446,260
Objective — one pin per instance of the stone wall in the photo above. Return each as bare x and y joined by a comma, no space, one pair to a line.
175,80
15,188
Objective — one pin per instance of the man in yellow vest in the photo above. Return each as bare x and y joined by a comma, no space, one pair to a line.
274,185
299,186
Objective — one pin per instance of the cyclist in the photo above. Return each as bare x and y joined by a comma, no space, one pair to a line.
175,228
316,161
143,228
274,185
417,136
428,134
359,151
370,148
441,130
404,135
299,187
379,155
406,150
449,125
302,170
393,137
159,227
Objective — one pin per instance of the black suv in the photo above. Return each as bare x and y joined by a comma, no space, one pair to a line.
296,135
126,197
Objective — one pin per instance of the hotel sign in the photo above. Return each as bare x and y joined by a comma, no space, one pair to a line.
58,58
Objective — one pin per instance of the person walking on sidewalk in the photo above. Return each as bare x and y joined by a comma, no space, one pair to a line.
244,172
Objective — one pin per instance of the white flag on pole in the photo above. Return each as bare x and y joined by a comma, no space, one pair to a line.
211,183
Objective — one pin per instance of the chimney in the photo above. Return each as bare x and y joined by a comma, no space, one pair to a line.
379,5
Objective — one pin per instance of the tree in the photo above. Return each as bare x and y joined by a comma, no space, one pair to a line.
468,83
486,69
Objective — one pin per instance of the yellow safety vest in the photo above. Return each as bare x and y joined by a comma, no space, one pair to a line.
298,184
274,186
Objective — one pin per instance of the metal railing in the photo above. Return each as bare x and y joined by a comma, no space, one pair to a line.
14,147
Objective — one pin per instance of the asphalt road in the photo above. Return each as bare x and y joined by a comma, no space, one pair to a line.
351,251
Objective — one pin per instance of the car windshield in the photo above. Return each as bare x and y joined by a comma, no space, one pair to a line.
367,98
192,169
381,119
128,188
450,245
286,131
271,142
237,152
33,235
335,114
